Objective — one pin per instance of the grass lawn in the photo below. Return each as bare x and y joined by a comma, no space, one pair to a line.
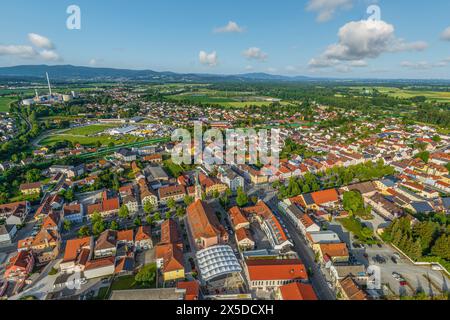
439,96
5,102
89,141
89,130
356,227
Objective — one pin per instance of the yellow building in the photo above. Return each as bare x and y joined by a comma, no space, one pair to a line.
30,188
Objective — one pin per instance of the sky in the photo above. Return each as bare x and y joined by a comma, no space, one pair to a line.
326,38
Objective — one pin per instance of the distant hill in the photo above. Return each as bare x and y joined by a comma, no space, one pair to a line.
69,73
75,73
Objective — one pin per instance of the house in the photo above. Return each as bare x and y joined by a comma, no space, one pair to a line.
154,158
244,239
175,193
211,185
7,234
20,266
73,213
76,255
270,224
125,155
315,239
97,268
324,198
296,291
204,226
46,245
238,219
15,213
31,188
333,252
125,237
350,289
52,221
143,238
172,261
339,272
147,195
269,274
300,219
106,244
230,178
191,288
106,207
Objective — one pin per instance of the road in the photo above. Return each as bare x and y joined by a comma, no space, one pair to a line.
306,254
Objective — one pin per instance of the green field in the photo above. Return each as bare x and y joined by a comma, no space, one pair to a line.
5,102
227,99
89,141
406,93
89,130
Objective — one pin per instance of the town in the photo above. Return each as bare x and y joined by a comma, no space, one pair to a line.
97,209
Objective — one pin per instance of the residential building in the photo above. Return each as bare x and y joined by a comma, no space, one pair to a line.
204,225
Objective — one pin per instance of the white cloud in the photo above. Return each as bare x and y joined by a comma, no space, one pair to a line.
229,28
358,64
446,34
327,8
50,55
29,52
209,59
365,39
40,41
256,54
272,70
249,68
26,52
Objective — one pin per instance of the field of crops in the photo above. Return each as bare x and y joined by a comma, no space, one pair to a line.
439,96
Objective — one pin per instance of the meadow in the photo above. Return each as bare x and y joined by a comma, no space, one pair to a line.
5,102
89,141
89,130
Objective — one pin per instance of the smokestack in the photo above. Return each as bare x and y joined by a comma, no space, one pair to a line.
49,86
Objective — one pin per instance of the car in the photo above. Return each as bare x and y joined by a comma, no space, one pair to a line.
380,245
365,255
394,260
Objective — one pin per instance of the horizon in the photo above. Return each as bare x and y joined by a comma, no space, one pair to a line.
347,39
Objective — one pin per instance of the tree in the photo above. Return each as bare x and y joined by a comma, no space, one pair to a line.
98,227
180,212
242,198
441,247
148,207
215,194
33,175
114,225
146,275
137,222
353,202
157,216
149,220
171,204
124,213
67,225
84,232
188,200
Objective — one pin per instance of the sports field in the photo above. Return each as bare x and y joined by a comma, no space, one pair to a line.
89,130
105,140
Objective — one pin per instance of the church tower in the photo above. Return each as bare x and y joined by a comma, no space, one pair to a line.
198,188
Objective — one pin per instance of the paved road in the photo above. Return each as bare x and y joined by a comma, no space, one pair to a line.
306,254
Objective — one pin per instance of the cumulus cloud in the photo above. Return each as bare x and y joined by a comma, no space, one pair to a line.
25,52
40,41
49,55
255,54
231,27
209,59
327,8
43,49
365,39
446,34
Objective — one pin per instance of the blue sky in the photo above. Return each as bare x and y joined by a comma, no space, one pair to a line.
291,37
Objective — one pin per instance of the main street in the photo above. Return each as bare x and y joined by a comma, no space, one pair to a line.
305,253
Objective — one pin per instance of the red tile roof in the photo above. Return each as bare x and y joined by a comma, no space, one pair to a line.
276,269
298,291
